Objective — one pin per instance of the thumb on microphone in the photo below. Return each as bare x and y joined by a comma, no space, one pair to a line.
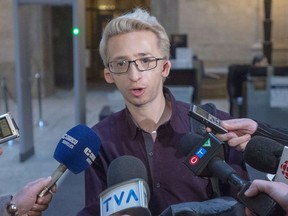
276,190
254,189
262,186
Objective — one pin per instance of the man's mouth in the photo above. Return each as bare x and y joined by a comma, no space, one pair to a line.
137,91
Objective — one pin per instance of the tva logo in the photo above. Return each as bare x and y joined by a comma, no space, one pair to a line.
121,198
129,194
199,153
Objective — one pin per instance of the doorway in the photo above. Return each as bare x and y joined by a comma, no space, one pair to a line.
98,13
62,46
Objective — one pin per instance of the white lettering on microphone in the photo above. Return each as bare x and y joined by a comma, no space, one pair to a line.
70,139
119,198
90,154
70,145
89,161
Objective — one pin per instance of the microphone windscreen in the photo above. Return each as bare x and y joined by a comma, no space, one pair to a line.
78,148
263,154
188,141
125,168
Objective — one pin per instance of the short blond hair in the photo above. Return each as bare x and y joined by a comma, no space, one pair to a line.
136,20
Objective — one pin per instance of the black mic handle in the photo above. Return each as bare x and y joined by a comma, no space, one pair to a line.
261,204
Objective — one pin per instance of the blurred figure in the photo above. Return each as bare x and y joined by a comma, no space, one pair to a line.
260,61
26,202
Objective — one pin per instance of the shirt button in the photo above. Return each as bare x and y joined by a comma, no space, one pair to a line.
150,154
158,185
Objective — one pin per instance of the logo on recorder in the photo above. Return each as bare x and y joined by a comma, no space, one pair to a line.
284,169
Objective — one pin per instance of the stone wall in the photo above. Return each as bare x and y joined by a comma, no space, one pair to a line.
7,66
225,32
37,44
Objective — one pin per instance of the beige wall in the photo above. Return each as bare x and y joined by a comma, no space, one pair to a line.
280,30
6,31
7,67
223,32
38,47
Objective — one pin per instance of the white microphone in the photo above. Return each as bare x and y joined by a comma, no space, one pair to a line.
282,170
128,192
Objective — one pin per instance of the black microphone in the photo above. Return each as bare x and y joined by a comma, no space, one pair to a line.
206,157
263,154
128,191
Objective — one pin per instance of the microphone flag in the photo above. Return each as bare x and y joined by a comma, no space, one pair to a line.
282,171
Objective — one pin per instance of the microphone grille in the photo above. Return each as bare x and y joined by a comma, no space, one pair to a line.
188,141
77,149
125,168
263,154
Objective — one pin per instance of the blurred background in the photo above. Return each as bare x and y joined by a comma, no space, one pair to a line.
219,32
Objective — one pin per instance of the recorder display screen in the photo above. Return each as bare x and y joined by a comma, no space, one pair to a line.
202,112
4,128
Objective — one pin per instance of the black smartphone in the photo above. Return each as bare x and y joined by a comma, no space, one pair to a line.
207,119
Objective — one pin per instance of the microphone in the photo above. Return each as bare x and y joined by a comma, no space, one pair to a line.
76,151
206,157
268,156
263,154
198,158
128,191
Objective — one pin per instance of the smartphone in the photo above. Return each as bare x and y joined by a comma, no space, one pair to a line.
8,128
207,119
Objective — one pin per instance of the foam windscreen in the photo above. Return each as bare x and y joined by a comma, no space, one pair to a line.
125,168
263,154
78,148
189,141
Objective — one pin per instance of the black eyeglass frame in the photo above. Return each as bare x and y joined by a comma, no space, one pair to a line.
134,61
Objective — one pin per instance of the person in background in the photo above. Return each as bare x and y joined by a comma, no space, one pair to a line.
260,61
26,201
135,50
276,190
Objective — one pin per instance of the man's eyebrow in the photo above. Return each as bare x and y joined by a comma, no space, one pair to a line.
139,55
119,58
145,54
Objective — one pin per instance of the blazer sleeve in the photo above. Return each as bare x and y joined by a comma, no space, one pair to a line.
278,134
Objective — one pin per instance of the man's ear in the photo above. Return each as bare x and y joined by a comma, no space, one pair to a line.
108,76
166,68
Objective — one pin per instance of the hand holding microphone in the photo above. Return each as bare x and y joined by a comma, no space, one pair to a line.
205,158
268,156
277,190
76,151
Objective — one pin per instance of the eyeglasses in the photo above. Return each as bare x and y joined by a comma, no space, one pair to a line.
142,64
